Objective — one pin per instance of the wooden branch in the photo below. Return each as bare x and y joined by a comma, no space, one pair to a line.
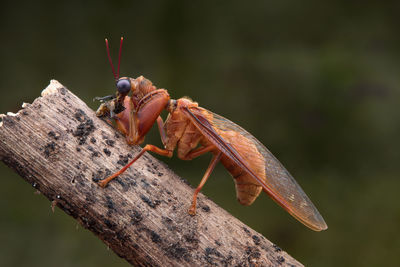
59,146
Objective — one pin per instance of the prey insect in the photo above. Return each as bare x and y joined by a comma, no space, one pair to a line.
194,131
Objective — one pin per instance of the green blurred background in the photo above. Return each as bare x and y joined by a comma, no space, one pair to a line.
316,82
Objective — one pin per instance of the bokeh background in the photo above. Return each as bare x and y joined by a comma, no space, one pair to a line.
317,82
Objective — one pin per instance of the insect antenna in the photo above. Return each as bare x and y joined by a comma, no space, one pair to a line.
116,75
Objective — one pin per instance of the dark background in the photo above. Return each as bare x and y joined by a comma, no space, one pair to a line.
317,83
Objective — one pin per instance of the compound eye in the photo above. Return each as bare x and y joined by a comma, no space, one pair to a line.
124,86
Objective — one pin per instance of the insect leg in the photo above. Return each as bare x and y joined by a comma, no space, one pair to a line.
121,126
214,161
198,152
160,125
163,152
133,135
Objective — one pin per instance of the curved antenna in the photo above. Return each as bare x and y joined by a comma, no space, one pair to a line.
110,60
116,74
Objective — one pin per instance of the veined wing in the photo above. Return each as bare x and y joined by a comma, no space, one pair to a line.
277,183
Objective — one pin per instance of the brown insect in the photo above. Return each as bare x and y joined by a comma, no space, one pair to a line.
193,131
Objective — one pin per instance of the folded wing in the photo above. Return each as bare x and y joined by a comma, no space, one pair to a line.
278,183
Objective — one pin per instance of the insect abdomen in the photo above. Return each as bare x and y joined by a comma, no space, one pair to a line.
247,190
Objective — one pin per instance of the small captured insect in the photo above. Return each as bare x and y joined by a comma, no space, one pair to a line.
194,131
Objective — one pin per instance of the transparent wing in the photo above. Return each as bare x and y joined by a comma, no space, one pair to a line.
278,183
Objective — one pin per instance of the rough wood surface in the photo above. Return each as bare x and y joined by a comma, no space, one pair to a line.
58,145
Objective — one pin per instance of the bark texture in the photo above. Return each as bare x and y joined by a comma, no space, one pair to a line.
59,146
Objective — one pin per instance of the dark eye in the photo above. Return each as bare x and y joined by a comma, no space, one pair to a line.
123,86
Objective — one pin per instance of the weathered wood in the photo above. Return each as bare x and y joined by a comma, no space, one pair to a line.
59,146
